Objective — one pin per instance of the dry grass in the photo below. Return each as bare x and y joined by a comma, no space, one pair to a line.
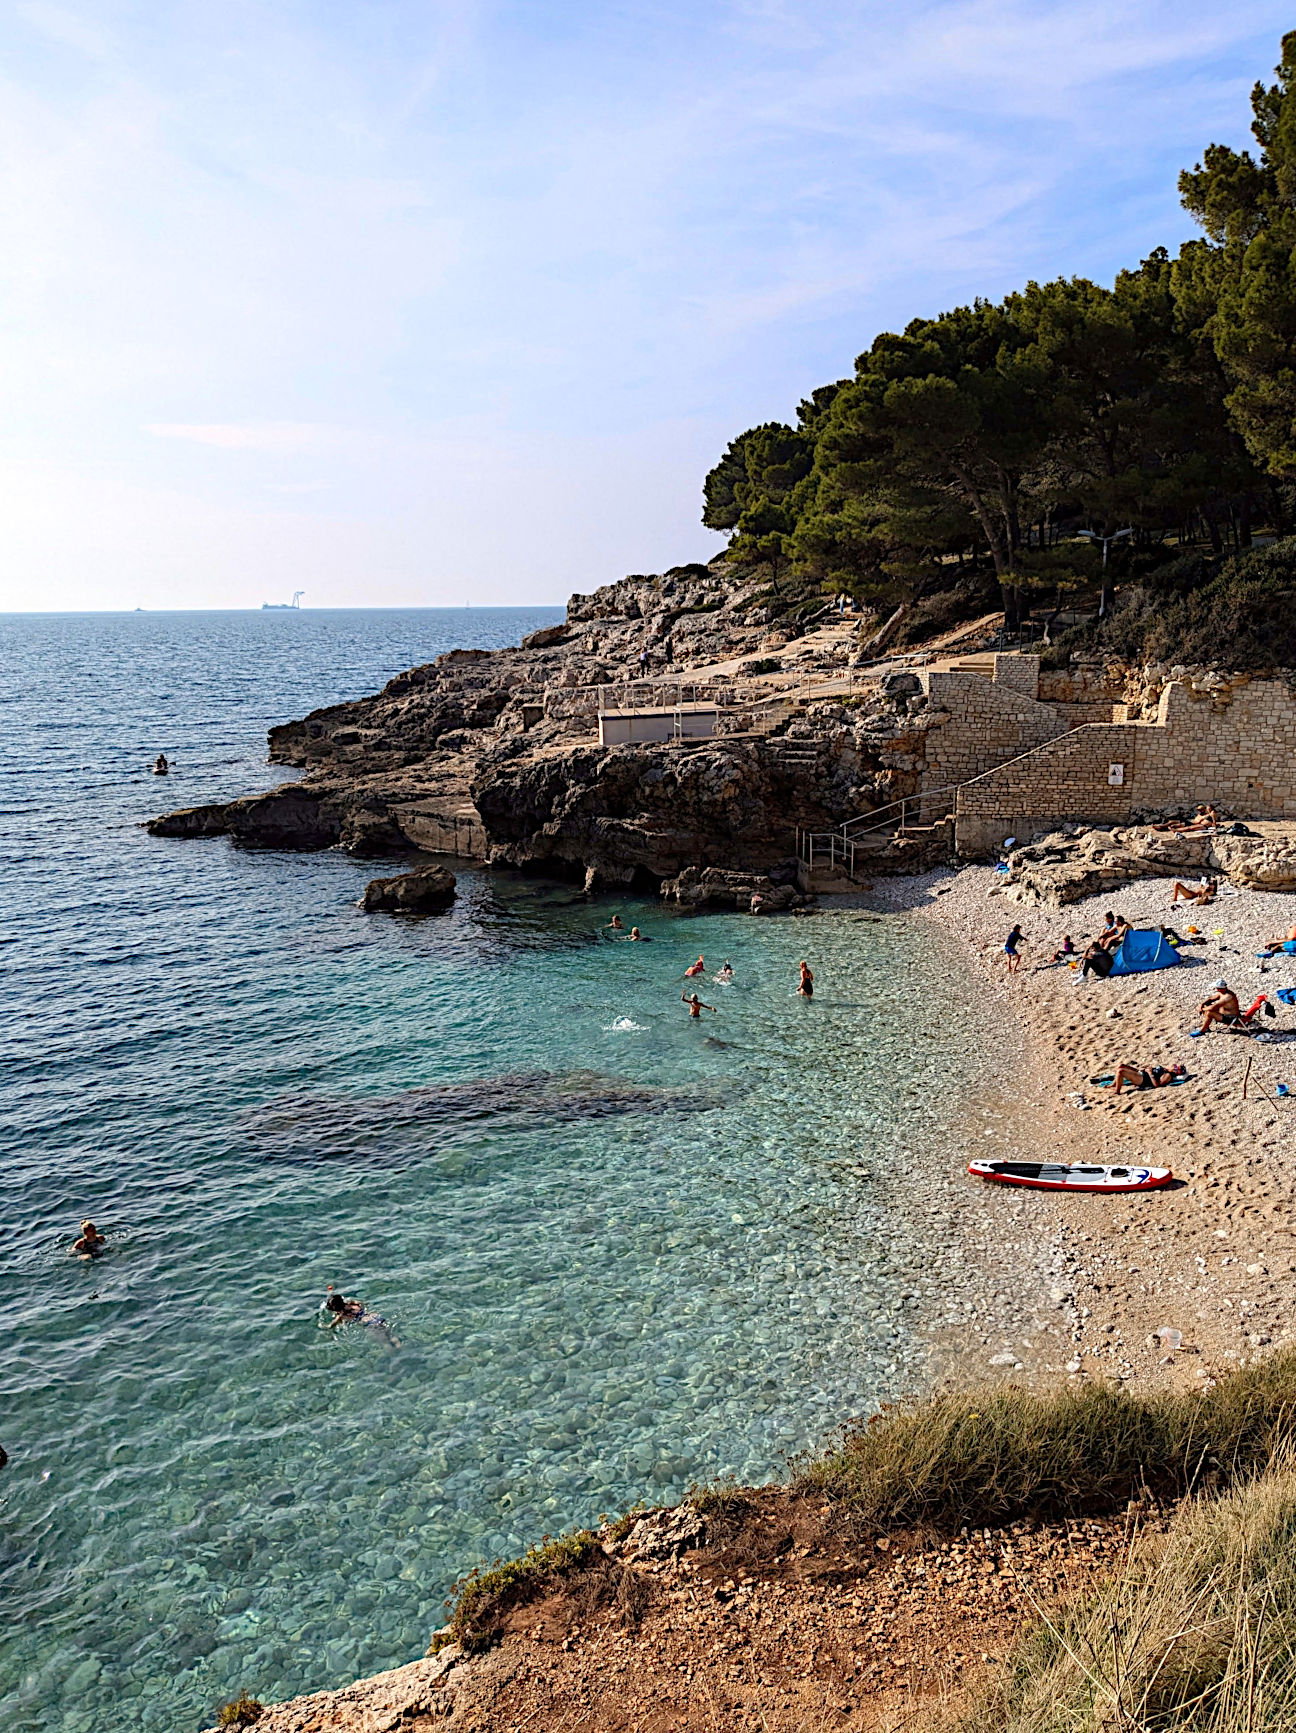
1198,1633
1007,1454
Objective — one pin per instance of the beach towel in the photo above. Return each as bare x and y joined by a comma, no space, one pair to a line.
1142,949
1287,995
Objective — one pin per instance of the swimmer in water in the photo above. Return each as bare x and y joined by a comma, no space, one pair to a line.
695,1005
642,937
697,968
92,1243
337,1309
726,973
806,986
615,926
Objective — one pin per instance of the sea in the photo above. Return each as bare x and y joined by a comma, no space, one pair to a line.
615,1252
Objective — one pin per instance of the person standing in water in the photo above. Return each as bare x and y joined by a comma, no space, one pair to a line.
614,925
805,986
695,1005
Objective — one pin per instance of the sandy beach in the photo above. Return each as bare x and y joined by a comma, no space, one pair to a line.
1213,1257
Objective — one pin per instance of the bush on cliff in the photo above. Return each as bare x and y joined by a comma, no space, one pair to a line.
1239,616
482,1598
1002,1455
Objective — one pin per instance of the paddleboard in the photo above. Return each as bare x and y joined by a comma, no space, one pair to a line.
1059,1176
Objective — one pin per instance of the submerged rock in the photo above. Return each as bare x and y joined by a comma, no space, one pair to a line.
425,891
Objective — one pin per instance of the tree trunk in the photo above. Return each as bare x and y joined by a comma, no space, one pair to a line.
886,631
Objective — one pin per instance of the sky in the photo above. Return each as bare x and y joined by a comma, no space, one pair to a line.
434,302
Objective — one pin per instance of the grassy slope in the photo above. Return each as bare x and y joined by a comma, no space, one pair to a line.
984,1459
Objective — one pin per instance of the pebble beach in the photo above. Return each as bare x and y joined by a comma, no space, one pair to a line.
1211,1258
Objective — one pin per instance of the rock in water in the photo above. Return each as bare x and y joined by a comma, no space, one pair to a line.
417,893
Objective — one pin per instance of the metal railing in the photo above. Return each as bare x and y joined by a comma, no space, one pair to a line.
844,843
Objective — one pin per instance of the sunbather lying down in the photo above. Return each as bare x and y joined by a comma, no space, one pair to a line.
1205,818
1141,1076
1285,944
1202,892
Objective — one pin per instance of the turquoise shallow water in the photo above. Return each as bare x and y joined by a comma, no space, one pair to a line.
621,1251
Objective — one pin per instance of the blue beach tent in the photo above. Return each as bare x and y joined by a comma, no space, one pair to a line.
1141,949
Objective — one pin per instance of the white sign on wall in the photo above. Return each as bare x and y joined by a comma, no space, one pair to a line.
1116,775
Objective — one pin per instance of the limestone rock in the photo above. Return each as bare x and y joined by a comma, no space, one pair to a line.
663,1534
1060,869
496,753
697,886
425,891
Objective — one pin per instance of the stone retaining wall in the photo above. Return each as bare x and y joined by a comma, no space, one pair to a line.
986,722
1234,746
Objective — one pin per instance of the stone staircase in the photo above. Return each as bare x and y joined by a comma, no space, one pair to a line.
793,754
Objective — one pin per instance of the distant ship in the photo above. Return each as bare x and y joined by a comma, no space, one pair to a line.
284,606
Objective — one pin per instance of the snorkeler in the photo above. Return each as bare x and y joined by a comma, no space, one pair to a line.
337,1309
92,1243
725,973
695,1005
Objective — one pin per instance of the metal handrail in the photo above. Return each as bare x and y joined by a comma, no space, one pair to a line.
902,803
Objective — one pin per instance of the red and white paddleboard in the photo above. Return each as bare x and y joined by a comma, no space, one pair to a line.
1058,1176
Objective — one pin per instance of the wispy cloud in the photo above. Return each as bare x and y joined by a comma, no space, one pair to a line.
393,259
273,436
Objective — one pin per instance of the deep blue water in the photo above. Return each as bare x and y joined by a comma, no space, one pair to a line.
621,1252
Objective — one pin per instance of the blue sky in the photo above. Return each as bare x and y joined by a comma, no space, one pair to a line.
431,303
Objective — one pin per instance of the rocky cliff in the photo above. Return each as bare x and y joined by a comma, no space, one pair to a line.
496,754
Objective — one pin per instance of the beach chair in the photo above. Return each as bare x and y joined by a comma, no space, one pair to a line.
1248,1022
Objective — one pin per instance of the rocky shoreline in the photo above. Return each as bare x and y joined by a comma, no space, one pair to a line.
496,755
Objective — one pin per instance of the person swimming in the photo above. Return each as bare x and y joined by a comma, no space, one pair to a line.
695,968
92,1243
805,987
695,1005
725,973
337,1309
642,938
615,925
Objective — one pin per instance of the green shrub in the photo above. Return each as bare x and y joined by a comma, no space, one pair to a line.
1241,616
244,1711
763,665
1010,1453
481,1599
